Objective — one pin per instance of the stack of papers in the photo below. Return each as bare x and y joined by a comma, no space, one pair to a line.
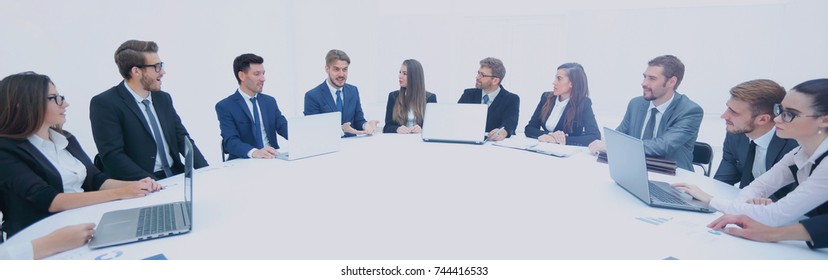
536,146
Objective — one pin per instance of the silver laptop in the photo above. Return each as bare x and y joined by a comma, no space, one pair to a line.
313,135
459,123
628,167
140,224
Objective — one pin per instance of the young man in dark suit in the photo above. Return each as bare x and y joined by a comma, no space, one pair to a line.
667,121
334,95
249,119
135,126
751,146
502,116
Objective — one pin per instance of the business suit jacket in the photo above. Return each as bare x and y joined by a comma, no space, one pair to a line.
677,131
390,125
735,152
502,113
318,101
124,139
817,228
584,127
29,182
237,124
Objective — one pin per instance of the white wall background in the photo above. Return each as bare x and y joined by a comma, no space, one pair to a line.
722,43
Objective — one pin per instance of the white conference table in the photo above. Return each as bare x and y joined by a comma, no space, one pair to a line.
393,196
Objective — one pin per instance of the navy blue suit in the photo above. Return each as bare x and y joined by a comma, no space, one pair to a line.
318,101
584,127
390,125
125,142
237,125
29,182
502,113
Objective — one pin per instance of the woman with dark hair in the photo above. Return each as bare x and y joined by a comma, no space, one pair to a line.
564,115
44,170
406,107
802,116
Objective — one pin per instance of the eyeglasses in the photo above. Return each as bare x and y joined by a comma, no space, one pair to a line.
788,116
58,99
480,74
157,66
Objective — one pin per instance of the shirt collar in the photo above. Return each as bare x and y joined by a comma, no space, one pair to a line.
663,107
800,160
244,95
332,88
60,142
137,97
492,95
764,140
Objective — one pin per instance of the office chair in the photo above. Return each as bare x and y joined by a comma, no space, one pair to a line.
703,155
98,162
223,152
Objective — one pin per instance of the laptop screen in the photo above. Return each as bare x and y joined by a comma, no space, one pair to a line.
188,177
627,163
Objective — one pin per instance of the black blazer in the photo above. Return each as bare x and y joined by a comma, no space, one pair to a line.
29,182
502,113
584,127
124,139
735,150
390,125
817,228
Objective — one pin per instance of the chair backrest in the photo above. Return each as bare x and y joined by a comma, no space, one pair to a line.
223,152
703,155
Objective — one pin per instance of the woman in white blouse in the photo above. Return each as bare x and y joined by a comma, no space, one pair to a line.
43,169
802,116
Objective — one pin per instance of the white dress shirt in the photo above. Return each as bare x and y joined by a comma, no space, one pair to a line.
811,192
761,154
555,115
412,120
72,171
660,112
142,108
333,90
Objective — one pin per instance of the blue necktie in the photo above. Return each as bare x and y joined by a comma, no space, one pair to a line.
486,99
257,121
159,143
648,130
338,100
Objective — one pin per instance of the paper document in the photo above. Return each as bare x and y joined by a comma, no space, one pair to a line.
536,146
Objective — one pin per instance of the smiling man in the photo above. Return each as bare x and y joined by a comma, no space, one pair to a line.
248,118
667,121
135,126
334,95
751,146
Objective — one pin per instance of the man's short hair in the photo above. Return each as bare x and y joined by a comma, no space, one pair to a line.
672,67
242,63
132,53
498,70
334,55
761,94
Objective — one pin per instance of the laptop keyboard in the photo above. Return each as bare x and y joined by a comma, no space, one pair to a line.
664,196
156,219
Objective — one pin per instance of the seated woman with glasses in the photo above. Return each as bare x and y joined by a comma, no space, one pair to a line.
405,109
43,169
803,116
564,115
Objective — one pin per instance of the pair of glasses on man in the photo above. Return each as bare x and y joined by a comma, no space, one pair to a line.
58,99
788,116
480,74
157,66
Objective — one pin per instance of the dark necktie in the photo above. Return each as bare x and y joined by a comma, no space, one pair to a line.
338,100
159,143
648,131
486,99
747,169
257,122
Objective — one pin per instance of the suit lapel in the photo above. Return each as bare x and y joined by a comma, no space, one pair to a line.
167,126
243,105
665,116
129,101
774,151
325,91
48,167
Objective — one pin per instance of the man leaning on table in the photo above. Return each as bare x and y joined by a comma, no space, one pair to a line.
502,115
248,118
334,95
667,121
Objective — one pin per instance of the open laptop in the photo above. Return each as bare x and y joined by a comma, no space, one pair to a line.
458,123
140,224
313,135
628,168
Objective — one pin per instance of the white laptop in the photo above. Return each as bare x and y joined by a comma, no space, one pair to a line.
459,123
140,224
628,167
313,135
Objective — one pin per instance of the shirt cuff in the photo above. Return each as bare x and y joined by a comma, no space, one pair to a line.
250,153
